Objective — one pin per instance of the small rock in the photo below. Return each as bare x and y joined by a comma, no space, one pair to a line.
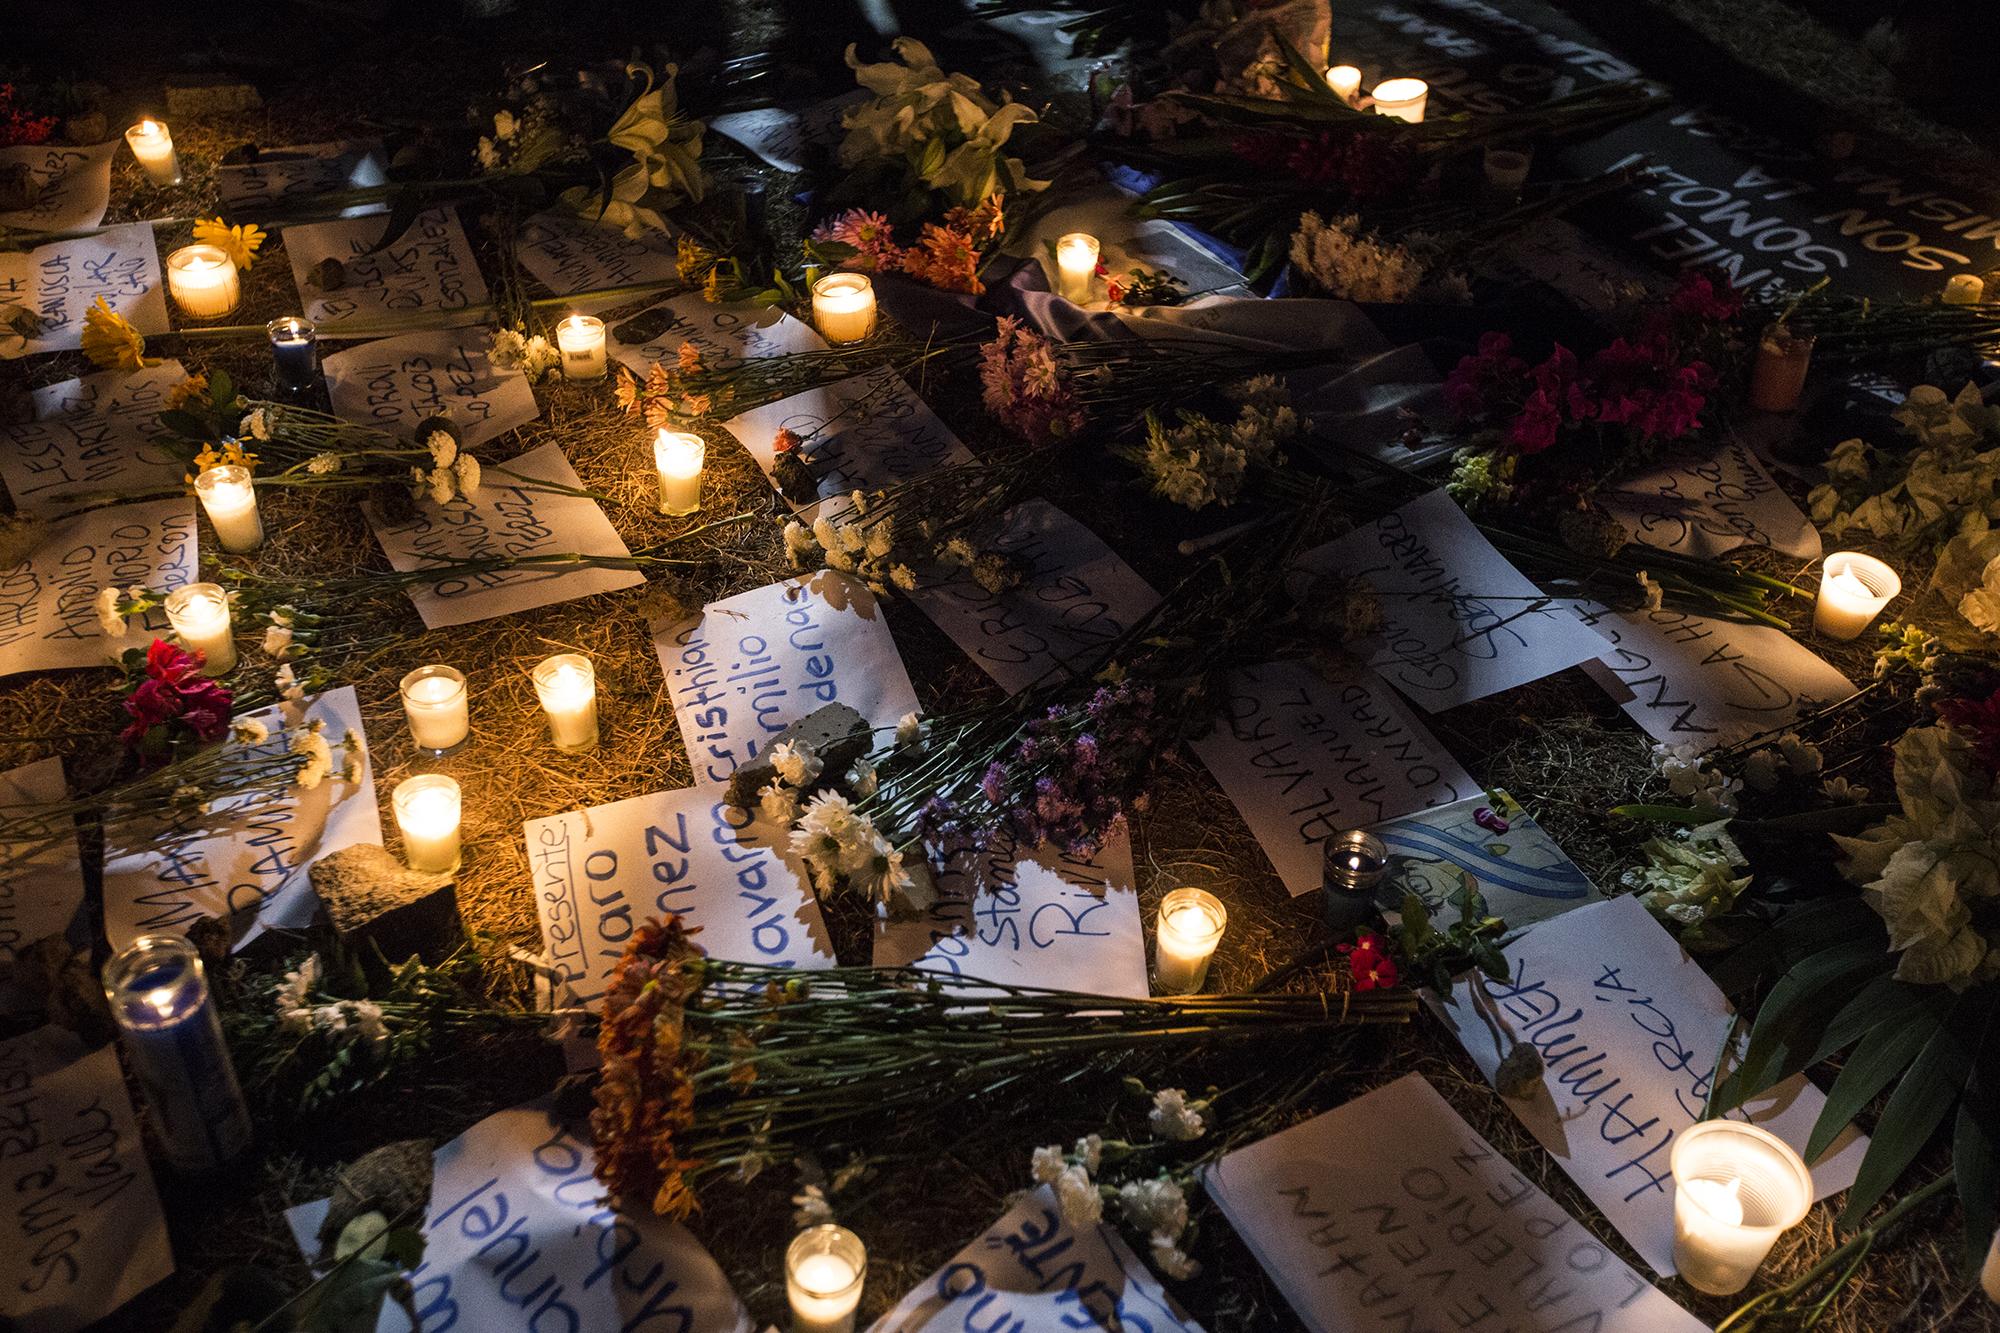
438,424
394,1180
19,187
1520,1072
242,155
835,732
370,901
328,275
645,326
794,478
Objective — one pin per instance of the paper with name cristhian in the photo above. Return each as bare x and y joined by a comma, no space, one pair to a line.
580,254
1516,866
1458,622
281,176
600,873
48,611
1628,1028
517,1237
1032,1272
429,267
750,665
504,518
1712,682
43,884
83,1232
863,434
1392,1212
785,138
1304,758
1075,600
397,382
1047,920
247,862
723,334
89,436
1709,504
58,282
72,185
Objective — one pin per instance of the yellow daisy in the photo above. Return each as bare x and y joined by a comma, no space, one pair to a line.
711,290
189,390
239,243
110,341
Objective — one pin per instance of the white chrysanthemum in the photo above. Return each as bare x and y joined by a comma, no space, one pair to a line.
443,486
824,827
779,803
466,470
861,779
825,534
320,465
505,124
1048,1164
369,1021
1078,1198
1762,769
903,577
257,425
1171,1260
249,731
318,766
880,539
1802,758
1174,1118
443,448
800,545
286,682
909,730
1155,1206
810,1208
1090,1151
277,640
330,1018
873,867
795,762
108,618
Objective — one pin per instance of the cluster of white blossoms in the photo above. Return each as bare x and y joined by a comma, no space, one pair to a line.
114,606
853,542
534,356
299,1015
943,123
453,471
838,843
1202,462
256,425
1689,776
1790,757
278,634
1155,1208
310,742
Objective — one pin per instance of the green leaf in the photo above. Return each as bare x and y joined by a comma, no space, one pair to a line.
1917,1107
1801,932
1883,1000
221,389
1883,1054
186,425
1796,1012
1975,1147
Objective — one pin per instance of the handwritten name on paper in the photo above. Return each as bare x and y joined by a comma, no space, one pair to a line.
48,613
1033,1270
282,176
786,138
247,862
723,334
1628,1028
1304,758
1518,868
72,185
60,281
395,383
1686,678
1076,600
1710,504
92,435
517,1237
1392,1212
429,267
42,889
504,518
81,1232
1458,621
862,434
579,254
750,665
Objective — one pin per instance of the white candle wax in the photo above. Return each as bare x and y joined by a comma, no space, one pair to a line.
844,307
1964,289
434,699
567,687
1853,589
678,457
1736,1188
1076,264
1189,927
202,281
824,1269
199,613
1345,80
428,809
230,500
580,339
1402,98
153,146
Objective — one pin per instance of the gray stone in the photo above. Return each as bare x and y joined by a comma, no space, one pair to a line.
369,898
835,732
393,1180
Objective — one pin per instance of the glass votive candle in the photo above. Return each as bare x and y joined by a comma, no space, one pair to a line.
1402,99
1076,264
172,1035
1354,865
1345,80
580,339
825,1267
1778,375
1736,1187
1853,589
428,809
567,687
202,281
1507,171
229,498
434,699
1190,925
153,146
294,351
677,458
199,614
1964,289
844,307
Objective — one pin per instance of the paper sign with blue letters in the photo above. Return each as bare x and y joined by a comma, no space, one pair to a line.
48,612
393,384
60,281
581,254
90,436
430,267
723,334
1516,866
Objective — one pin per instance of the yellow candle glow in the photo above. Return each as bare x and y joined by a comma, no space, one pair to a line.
1964,289
434,699
678,458
1345,80
1853,589
428,809
153,146
844,307
199,613
580,339
1190,925
202,281
825,1267
1076,264
1736,1187
1778,375
230,499
1402,98
567,687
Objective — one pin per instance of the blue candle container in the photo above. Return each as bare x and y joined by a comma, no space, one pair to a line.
172,1036
295,352
1356,862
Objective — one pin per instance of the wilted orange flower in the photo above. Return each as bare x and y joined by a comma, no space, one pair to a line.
689,358
627,390
189,389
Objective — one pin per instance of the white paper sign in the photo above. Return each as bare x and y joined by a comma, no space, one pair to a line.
1707,506
1031,1272
250,864
73,185
601,873
785,138
1048,920
1522,874
284,176
862,433
1628,1027
1077,599
1712,682
1392,1212
505,518
516,1238
397,382
1458,622
1305,758
59,281
43,885
721,333
429,267
100,433
82,1232
580,254
48,612
750,665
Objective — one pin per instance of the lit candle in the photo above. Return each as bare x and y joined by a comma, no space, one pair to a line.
844,307
434,699
1345,80
199,613
1402,98
1507,171
230,499
1735,1188
202,281
173,1039
825,1267
1964,289
1190,924
427,812
580,338
295,350
1778,376
1853,589
567,686
154,147
1354,865
677,457
1076,264
1989,1272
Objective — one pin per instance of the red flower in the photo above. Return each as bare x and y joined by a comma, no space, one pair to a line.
172,693
1535,428
1699,296
1370,964
1978,720
784,441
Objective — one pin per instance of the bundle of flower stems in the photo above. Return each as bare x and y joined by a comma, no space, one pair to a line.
1855,331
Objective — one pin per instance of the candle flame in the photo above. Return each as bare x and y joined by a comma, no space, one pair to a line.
162,1000
149,127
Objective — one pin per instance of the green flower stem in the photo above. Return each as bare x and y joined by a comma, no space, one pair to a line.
443,319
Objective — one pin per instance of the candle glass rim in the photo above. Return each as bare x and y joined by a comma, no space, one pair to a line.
139,127
432,671
1776,1150
849,280
1404,88
219,474
126,965
177,601
182,257
298,327
663,436
827,1238
545,670
1081,240
1870,572
578,321
1207,904
416,785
